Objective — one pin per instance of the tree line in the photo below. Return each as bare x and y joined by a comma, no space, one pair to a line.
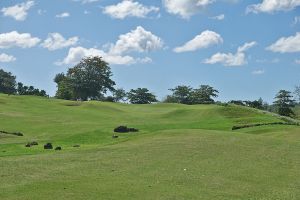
91,79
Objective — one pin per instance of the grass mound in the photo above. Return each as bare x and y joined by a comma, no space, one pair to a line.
180,152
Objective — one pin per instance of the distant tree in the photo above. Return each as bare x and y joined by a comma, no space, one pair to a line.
25,90
89,79
7,82
170,99
284,103
297,93
187,95
258,104
204,95
181,94
237,102
119,95
141,96
64,89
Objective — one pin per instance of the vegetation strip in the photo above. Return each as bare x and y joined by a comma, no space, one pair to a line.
12,133
264,124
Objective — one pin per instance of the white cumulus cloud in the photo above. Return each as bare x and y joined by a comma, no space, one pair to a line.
270,6
185,8
15,39
229,59
18,11
6,58
205,39
75,54
57,41
138,41
286,44
63,15
129,8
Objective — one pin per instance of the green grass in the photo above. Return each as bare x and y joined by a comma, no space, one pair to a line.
181,152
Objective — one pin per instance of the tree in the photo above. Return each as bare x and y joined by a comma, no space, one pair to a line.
64,89
119,95
89,79
187,95
258,104
25,90
7,82
284,103
181,94
141,96
204,95
297,93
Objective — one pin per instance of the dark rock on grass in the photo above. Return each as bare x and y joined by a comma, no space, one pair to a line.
58,149
48,146
28,145
121,129
115,136
125,129
76,145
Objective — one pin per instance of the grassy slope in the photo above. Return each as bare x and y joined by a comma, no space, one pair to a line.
255,163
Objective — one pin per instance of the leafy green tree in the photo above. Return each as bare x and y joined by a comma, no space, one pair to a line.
181,94
258,104
119,95
284,103
64,89
7,82
89,79
25,90
141,96
297,93
187,95
204,95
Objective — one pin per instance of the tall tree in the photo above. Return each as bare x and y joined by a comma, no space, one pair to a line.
284,103
119,95
141,96
181,94
7,82
297,93
204,95
89,79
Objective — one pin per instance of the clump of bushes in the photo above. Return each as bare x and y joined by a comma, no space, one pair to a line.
264,124
12,133
125,129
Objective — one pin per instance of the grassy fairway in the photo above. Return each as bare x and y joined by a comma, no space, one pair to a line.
181,152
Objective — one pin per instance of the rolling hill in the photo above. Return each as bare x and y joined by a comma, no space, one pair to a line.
180,152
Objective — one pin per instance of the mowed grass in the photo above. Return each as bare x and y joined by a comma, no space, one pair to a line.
181,152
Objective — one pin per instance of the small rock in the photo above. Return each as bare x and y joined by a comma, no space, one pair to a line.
58,149
48,146
28,145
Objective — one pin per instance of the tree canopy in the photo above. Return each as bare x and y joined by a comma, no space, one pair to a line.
141,96
284,103
7,82
187,95
89,79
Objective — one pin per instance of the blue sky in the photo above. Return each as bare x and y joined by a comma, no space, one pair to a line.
245,49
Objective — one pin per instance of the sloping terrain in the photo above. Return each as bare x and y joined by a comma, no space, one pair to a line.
180,152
